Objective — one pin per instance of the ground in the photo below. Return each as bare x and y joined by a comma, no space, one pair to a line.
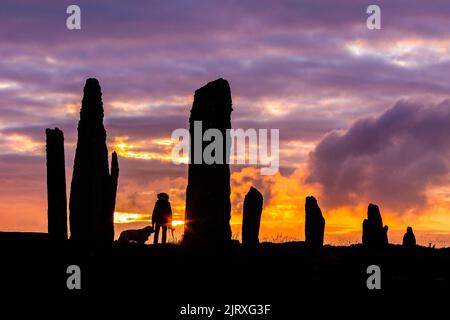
287,276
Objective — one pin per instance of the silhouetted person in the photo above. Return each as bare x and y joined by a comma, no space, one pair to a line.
314,223
251,219
56,185
162,217
374,234
409,239
208,206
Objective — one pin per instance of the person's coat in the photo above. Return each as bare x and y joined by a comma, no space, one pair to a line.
162,213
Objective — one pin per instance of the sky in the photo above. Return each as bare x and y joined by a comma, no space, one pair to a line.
363,114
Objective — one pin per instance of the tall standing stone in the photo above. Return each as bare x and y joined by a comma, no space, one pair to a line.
208,207
374,233
314,223
56,185
251,220
92,195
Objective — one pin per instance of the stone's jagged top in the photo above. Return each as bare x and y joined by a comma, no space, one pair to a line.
213,102
310,200
220,85
253,192
114,156
55,131
92,86
374,215
374,233
114,161
92,104
54,136
312,207
314,223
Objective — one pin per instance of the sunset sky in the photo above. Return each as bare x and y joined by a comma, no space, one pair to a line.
364,115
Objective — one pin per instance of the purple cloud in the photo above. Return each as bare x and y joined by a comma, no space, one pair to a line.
391,159
314,60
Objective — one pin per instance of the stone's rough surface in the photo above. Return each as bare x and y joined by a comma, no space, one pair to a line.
56,185
374,234
409,239
251,219
92,194
314,223
208,207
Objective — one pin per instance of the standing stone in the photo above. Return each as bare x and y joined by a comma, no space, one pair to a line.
314,223
208,207
409,239
374,234
92,194
251,220
56,185
115,182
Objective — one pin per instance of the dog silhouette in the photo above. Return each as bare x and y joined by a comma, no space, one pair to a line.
138,236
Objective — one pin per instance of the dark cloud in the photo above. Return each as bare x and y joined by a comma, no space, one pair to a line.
117,19
390,160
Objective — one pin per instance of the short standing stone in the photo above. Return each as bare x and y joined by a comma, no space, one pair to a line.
374,233
314,223
251,220
409,239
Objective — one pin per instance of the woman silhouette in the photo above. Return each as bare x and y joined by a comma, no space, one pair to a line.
162,217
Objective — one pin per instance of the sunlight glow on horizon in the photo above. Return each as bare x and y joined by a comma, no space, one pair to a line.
132,217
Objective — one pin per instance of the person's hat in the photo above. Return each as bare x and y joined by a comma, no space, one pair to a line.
163,196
